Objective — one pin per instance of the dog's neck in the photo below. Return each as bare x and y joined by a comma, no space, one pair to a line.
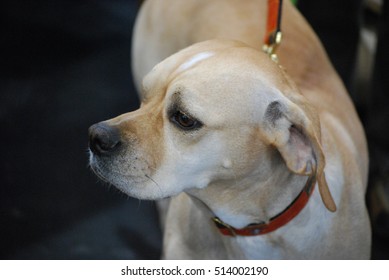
250,200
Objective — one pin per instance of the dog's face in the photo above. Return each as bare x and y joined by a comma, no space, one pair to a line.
208,114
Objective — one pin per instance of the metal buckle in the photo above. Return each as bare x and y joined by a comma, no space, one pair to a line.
274,41
221,225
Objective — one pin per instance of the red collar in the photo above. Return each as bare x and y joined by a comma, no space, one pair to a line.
277,221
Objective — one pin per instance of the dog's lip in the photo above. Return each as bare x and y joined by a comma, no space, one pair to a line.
97,170
109,175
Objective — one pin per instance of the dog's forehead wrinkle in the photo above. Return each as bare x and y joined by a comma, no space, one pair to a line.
184,99
176,97
176,103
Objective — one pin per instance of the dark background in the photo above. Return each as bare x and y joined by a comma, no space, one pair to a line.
65,65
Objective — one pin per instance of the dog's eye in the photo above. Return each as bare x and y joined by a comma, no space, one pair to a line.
184,121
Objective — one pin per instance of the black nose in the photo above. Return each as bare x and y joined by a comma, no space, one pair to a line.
103,139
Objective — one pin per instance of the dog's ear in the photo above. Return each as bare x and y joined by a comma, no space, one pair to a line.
295,131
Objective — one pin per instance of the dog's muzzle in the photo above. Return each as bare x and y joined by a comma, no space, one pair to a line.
104,139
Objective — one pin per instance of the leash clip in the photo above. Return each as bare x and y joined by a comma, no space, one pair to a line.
272,44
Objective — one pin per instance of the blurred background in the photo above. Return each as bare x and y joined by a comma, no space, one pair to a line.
65,65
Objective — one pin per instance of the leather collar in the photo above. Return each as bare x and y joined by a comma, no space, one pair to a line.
277,221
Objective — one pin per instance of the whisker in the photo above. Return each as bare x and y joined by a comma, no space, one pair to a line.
152,168
152,180
139,202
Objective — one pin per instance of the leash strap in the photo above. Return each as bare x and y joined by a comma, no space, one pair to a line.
273,34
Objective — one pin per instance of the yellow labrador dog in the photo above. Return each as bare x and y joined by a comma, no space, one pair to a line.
260,160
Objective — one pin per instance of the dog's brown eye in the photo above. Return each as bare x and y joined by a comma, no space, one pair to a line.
184,121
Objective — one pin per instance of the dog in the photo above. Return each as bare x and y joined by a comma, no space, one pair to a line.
255,160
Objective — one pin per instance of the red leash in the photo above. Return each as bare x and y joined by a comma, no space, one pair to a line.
273,34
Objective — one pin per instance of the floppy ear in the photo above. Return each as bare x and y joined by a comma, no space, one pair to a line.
295,131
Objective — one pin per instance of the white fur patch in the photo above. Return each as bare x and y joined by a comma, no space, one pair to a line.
194,60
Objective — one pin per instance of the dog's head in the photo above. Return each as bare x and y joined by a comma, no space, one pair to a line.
210,112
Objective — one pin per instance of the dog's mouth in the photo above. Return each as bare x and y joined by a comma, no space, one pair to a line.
131,179
113,169
95,167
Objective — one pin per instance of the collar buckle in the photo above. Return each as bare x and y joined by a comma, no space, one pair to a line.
224,228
